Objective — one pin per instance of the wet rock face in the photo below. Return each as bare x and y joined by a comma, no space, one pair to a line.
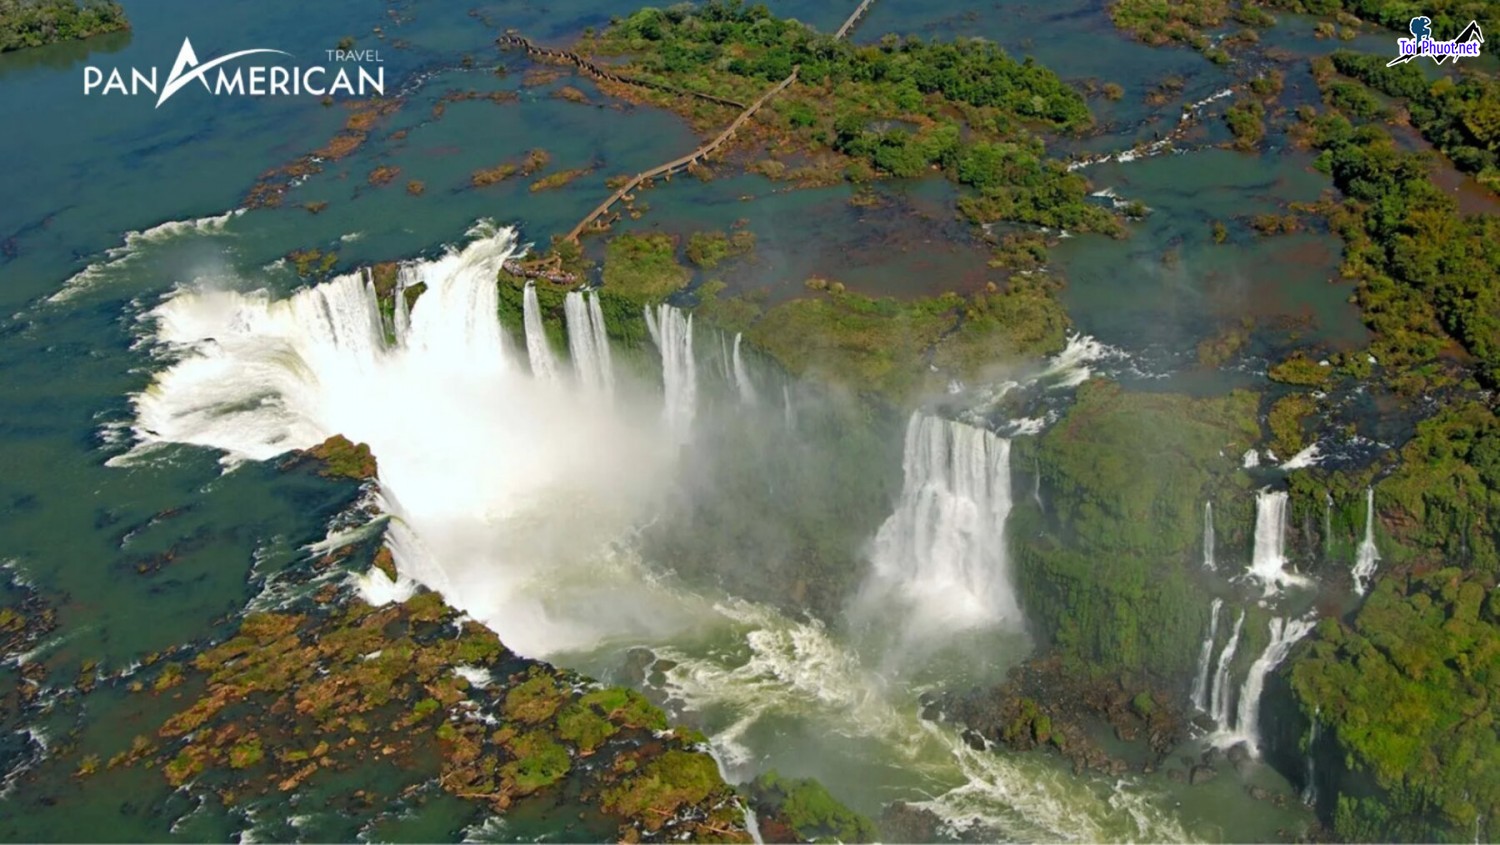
1041,705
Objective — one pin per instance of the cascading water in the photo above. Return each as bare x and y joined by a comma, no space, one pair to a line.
1310,789
1327,526
588,342
1036,485
1268,560
1367,556
741,374
1205,657
543,364
787,409
943,549
1221,699
1284,635
400,312
672,331
480,463
1208,536
512,495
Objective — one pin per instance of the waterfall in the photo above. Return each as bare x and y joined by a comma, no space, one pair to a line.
672,332
1268,561
943,548
1220,703
1208,536
543,365
1367,555
1036,484
400,313
1284,635
786,407
1327,526
1310,789
1205,657
741,374
588,343
724,356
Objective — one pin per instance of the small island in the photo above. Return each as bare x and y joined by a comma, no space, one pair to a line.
37,23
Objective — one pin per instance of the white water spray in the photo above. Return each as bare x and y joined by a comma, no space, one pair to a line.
1208,536
943,549
1367,556
672,331
1221,703
543,364
1268,560
588,342
1205,657
741,374
498,483
1284,635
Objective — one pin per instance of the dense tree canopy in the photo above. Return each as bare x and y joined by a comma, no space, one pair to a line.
32,23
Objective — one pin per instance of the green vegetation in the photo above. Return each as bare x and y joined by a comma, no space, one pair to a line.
1448,16
1159,22
710,249
666,784
882,345
1286,420
1108,573
342,458
33,23
294,699
805,810
1446,492
1426,273
644,267
1300,370
1460,117
1409,692
901,108
559,179
1246,121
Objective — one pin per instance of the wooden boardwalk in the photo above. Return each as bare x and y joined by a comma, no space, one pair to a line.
859,12
511,39
692,158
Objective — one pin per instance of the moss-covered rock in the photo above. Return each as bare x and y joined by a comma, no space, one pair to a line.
295,698
343,458
1407,693
790,810
1107,573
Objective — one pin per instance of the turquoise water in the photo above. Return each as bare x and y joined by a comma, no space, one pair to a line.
138,558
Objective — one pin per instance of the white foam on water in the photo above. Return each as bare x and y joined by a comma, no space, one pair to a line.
1308,457
117,257
475,675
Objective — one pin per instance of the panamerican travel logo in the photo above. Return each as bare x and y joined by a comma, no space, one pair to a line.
1466,45
246,80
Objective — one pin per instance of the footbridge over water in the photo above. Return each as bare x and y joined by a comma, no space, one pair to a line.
698,155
